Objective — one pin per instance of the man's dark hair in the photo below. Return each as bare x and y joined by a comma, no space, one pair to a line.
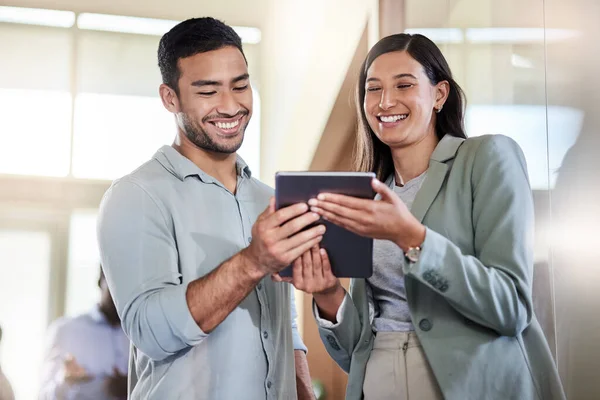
188,38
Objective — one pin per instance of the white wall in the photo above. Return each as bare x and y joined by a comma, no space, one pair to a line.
307,48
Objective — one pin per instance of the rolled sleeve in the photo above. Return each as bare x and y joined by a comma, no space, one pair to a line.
139,256
323,323
297,339
340,339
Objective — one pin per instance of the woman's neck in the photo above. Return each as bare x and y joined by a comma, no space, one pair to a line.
412,160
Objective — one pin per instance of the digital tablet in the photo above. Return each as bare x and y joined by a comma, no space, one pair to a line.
351,255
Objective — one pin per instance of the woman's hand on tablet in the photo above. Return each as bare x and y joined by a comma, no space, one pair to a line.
387,219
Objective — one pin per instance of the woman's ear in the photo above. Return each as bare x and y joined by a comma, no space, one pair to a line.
442,90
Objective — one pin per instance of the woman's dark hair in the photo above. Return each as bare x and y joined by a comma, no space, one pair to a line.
371,154
188,38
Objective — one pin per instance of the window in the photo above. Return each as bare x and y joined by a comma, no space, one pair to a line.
35,103
83,102
25,257
84,263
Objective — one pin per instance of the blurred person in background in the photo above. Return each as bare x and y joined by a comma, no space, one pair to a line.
87,356
188,250
6,392
448,312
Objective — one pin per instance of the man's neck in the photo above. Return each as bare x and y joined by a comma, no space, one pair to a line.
222,167
411,161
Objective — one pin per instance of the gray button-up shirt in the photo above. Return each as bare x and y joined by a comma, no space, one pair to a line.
169,223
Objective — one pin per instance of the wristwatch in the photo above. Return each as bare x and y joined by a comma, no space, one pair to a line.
412,254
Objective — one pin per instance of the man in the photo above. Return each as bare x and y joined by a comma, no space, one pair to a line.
185,251
6,392
87,356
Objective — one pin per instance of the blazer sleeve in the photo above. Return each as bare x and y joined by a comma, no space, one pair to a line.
492,287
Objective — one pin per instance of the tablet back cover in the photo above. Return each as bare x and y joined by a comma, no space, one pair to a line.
351,255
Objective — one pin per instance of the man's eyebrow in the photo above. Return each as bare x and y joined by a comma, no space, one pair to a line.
240,78
203,82
207,82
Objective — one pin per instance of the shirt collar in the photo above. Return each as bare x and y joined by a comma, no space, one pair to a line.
182,167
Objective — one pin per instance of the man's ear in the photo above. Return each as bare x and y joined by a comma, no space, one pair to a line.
169,98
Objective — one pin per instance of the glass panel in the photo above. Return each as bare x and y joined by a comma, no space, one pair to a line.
84,261
25,261
35,102
573,84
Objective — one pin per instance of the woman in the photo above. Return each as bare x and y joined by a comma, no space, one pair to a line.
448,311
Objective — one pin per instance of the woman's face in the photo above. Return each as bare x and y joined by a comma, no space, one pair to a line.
400,101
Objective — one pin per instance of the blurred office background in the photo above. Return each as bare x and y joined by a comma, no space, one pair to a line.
79,107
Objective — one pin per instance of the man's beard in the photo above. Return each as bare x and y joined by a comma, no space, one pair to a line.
198,136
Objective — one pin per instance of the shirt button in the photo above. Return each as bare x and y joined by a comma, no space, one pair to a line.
249,239
269,384
265,334
425,325
259,286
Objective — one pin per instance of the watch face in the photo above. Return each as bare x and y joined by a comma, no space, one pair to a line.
413,254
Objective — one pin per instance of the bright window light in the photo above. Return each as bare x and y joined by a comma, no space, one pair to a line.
148,26
84,262
127,130
115,134
41,118
37,16
248,34
527,125
521,62
439,35
495,35
120,23
518,35
250,150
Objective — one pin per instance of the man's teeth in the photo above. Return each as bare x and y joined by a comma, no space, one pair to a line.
392,118
227,125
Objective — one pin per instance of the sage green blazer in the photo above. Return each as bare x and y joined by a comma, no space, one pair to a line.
470,291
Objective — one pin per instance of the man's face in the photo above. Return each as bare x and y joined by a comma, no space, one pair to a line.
215,99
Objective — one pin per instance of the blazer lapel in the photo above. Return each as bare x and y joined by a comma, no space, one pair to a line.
436,175
430,188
